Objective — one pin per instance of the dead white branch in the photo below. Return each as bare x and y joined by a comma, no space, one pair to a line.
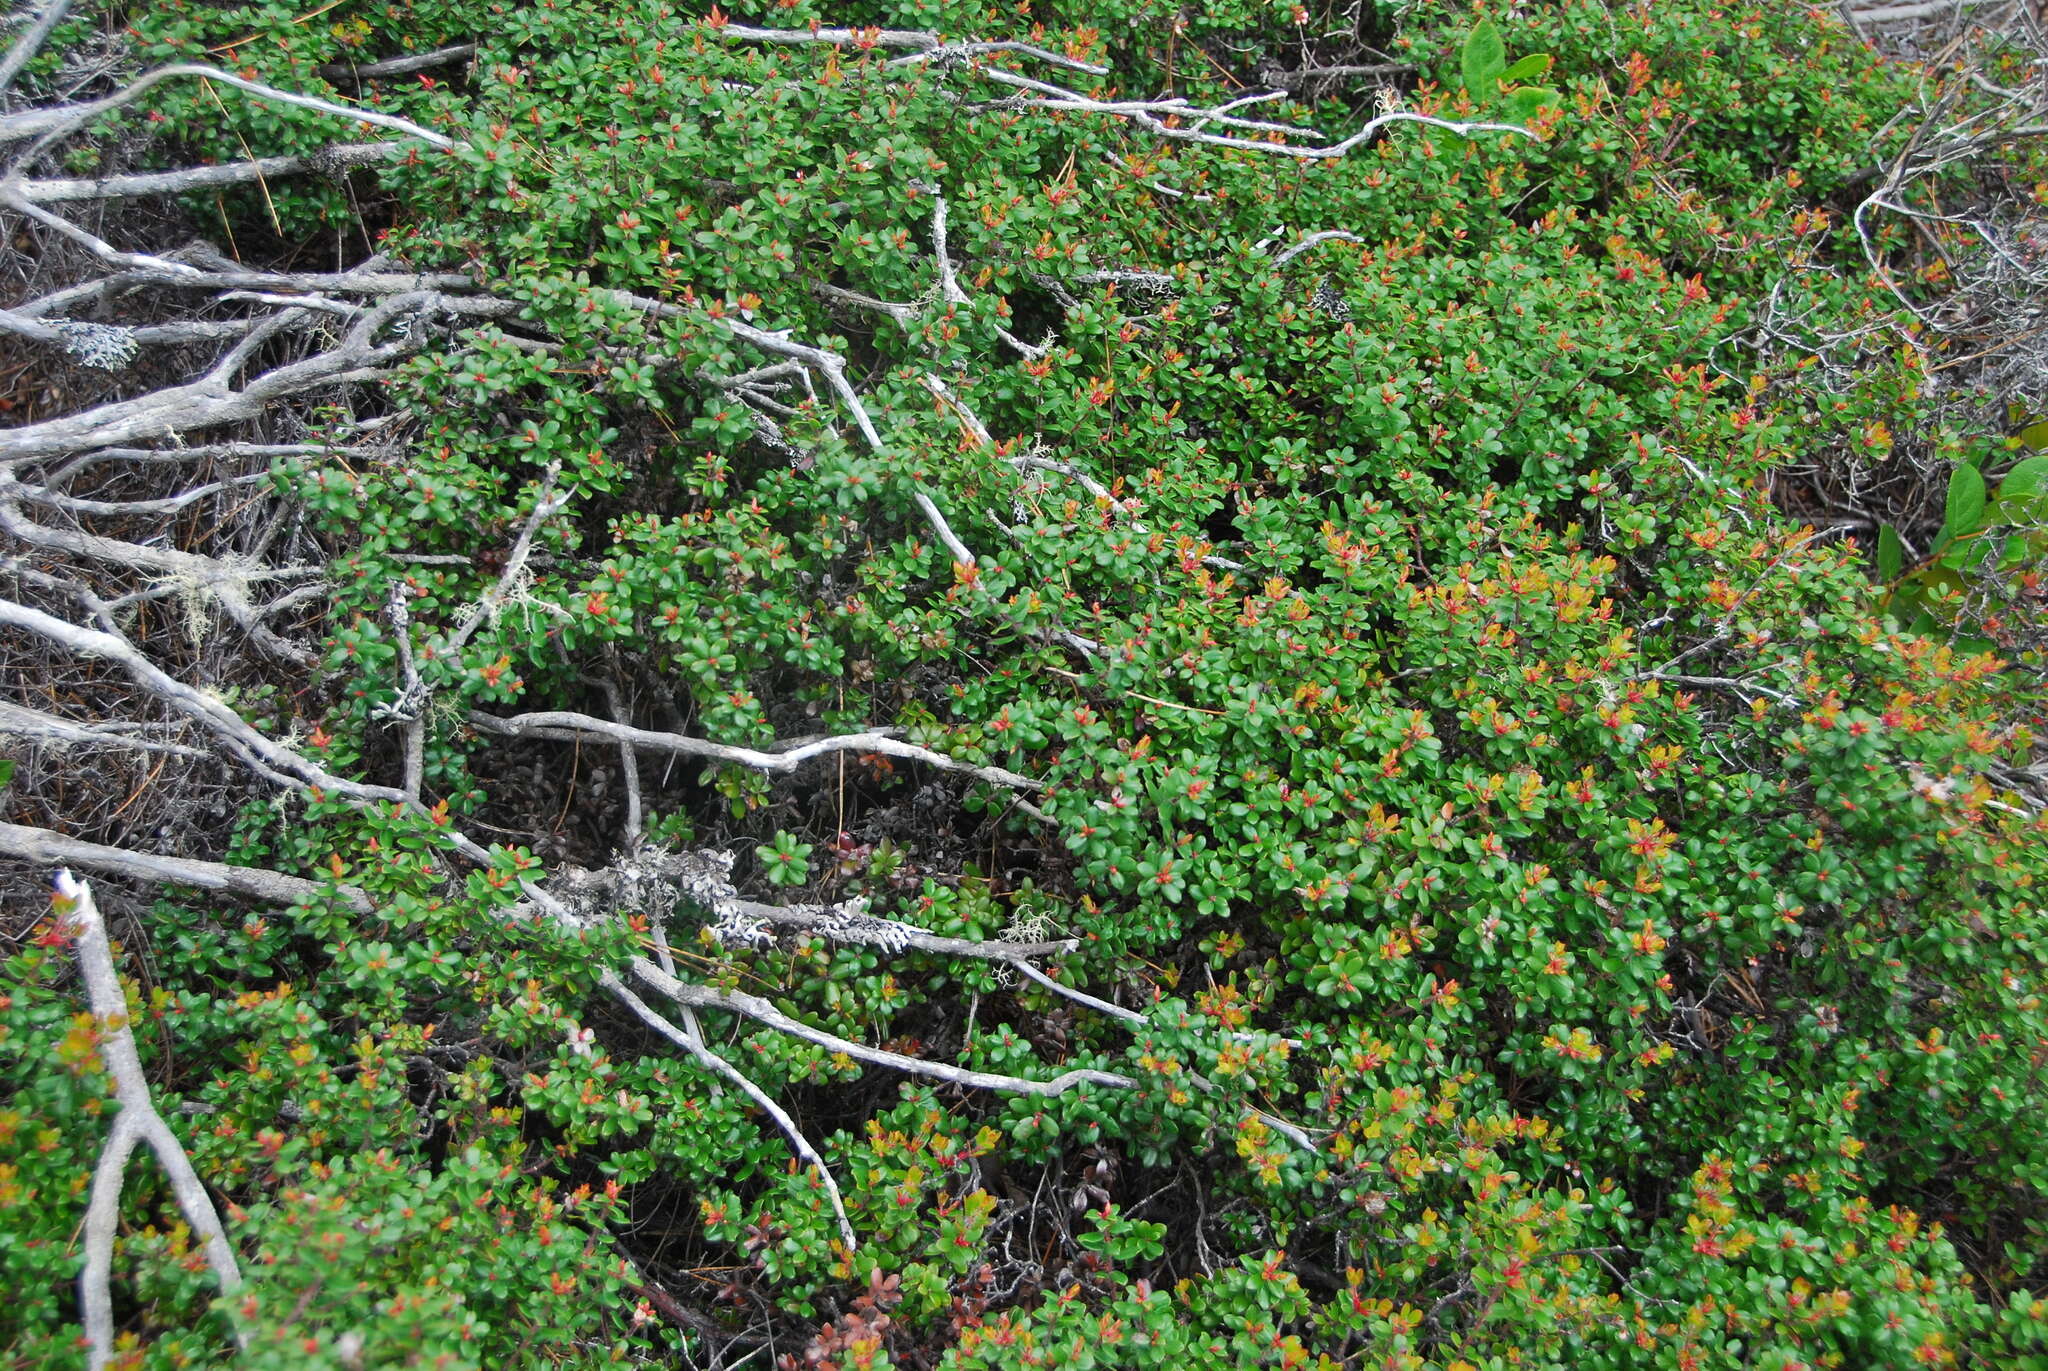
930,47
761,1011
269,758
31,42
949,284
170,504
203,576
46,124
58,189
830,919
1314,240
138,1121
1180,120
564,725
547,502
693,1043
629,767
44,848
17,721
211,401
398,66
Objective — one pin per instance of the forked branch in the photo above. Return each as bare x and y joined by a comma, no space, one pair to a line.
137,1122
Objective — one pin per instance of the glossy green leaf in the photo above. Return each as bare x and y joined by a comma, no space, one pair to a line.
1968,552
2026,477
2035,436
1483,59
1527,68
1528,102
1890,553
1964,510
2023,495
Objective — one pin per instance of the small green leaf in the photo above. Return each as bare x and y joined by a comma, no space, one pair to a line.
1483,60
1891,554
1965,508
6,771
1528,68
2035,436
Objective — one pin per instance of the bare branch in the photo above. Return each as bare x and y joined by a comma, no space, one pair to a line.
546,503
829,919
44,848
269,758
197,270
949,284
930,46
196,453
903,314
170,504
1744,688
138,1121
1181,120
398,66
1115,1011
19,722
49,123
1314,240
1905,14
208,403
31,42
693,1043
832,367
629,766
226,582
409,709
568,726
1340,71
761,1011
341,157
91,242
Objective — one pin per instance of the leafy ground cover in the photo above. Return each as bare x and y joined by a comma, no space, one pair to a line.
954,715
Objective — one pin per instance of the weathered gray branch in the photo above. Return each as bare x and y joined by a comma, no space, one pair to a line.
693,1043
211,401
31,42
564,725
58,189
44,848
56,120
398,66
761,1011
17,721
138,1121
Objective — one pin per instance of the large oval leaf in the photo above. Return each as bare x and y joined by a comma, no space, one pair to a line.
1527,68
1891,553
1483,60
2023,494
1529,101
1965,508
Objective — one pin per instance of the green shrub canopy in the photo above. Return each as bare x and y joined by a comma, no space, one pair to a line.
1537,902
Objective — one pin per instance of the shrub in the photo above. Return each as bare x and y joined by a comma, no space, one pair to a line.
1526,898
